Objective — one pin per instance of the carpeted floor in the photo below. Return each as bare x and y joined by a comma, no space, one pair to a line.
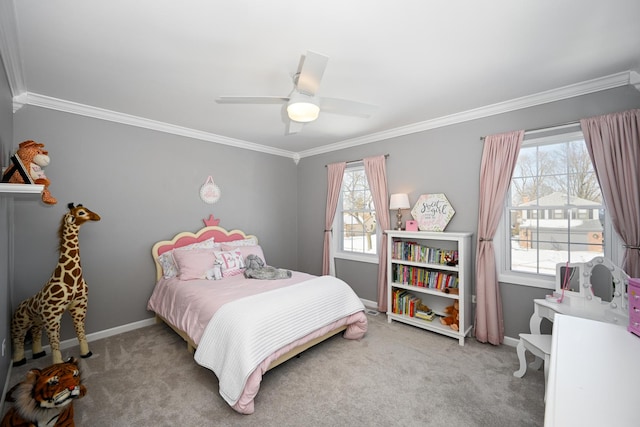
397,375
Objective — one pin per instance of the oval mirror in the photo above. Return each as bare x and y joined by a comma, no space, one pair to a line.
602,282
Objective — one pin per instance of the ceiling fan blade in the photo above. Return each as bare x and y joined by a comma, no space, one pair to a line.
252,99
346,107
293,127
310,73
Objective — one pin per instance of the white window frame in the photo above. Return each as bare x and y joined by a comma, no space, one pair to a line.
339,251
613,245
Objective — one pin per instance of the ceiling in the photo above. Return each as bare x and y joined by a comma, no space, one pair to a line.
162,64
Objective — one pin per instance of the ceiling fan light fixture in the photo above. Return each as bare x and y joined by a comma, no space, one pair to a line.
303,109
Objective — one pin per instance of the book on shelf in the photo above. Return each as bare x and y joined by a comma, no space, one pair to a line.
425,315
405,303
413,251
423,278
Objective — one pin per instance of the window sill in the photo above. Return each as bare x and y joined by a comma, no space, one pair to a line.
534,281
371,259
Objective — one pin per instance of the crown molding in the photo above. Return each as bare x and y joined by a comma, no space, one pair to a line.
565,92
634,80
19,101
114,116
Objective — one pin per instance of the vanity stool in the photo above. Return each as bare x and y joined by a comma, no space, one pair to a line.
540,346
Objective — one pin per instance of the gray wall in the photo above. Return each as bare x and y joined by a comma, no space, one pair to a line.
145,185
6,140
444,160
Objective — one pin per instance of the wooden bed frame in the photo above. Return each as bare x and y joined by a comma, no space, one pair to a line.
220,235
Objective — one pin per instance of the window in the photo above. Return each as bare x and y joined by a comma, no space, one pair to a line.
355,226
554,211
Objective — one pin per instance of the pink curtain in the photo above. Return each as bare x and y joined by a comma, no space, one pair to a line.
335,172
376,170
499,158
614,146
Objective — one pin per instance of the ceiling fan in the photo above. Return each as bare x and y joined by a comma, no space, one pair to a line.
303,103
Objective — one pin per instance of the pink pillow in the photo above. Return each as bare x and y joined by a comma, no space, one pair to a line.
169,267
195,263
246,251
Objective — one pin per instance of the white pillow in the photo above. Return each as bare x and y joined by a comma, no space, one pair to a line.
246,250
231,262
249,241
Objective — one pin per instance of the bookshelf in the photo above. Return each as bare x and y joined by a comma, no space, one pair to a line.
433,268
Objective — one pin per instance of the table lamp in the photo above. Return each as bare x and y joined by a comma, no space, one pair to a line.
399,201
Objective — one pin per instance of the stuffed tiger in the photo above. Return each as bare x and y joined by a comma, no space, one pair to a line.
45,397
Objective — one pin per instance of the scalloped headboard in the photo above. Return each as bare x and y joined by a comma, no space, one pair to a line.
219,234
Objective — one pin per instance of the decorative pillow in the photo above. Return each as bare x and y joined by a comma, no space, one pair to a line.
249,241
246,251
194,264
169,268
231,262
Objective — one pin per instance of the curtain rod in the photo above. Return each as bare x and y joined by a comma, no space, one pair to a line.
359,160
546,128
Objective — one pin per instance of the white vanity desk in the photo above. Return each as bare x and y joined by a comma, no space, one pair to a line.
575,296
592,379
578,299
602,312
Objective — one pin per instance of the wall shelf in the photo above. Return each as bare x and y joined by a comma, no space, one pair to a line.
16,189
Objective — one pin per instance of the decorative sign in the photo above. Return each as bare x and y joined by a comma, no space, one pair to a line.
209,192
433,212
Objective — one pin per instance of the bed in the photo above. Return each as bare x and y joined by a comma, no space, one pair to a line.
241,327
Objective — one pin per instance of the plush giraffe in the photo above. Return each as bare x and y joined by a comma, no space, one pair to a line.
66,290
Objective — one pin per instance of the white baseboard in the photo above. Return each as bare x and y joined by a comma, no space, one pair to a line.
511,342
369,304
98,335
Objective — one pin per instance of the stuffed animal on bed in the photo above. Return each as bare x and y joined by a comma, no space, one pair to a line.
214,273
257,270
33,157
45,397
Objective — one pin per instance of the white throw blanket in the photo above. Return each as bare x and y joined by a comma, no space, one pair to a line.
243,333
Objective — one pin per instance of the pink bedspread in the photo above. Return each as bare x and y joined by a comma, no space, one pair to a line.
189,305
357,327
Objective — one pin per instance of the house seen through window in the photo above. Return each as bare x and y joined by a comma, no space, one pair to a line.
554,210
355,225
